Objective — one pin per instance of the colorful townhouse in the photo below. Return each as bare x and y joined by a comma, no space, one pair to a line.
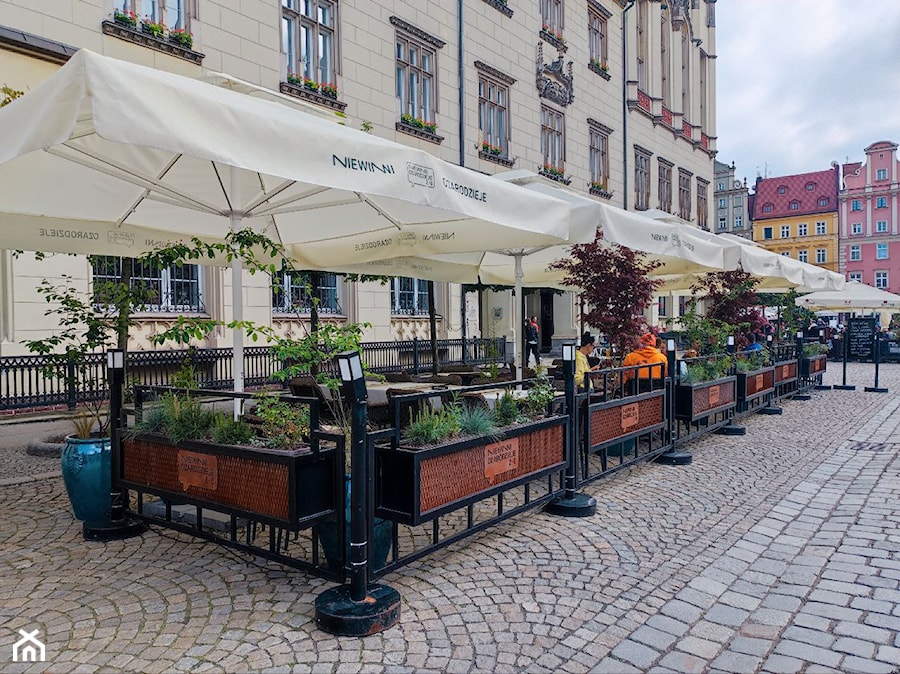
868,203
797,216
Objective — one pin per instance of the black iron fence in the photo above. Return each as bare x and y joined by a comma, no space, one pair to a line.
40,382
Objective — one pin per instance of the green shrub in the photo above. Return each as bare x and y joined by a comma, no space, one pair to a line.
476,420
228,431
284,424
540,395
506,410
431,426
813,349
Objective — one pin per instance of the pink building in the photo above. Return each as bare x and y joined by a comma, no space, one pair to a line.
869,218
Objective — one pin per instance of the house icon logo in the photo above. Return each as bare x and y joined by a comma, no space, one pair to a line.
28,648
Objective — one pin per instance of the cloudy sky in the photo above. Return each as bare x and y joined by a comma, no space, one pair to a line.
804,82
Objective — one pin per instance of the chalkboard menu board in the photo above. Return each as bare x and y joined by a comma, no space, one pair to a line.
861,333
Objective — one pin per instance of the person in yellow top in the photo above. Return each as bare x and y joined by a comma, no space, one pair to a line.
646,354
582,365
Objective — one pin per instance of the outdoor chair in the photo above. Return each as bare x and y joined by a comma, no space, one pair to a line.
405,406
398,377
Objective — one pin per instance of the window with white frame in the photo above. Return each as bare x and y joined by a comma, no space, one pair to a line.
684,301
493,115
294,293
416,74
598,37
737,200
785,231
821,255
794,205
684,194
173,289
641,180
803,255
855,253
172,13
823,201
881,226
782,189
661,307
702,204
720,186
881,251
880,202
598,137
855,205
810,187
553,139
802,229
723,223
855,276
881,174
856,228
738,221
409,296
785,253
552,13
767,208
309,37
821,228
723,202
881,279
665,186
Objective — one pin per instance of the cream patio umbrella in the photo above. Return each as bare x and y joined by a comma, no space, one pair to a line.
854,295
113,158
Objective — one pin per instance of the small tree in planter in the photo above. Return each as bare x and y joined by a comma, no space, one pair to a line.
731,299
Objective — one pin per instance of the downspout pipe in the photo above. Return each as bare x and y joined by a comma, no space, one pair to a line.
625,106
462,132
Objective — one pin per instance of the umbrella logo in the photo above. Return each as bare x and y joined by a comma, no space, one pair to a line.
120,239
417,174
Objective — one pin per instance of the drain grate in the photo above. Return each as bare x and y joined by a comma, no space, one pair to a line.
869,446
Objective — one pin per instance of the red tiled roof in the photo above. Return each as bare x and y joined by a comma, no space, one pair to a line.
794,188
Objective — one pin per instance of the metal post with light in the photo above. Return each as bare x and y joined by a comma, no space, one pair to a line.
118,525
770,407
731,428
571,504
357,609
799,343
673,457
845,354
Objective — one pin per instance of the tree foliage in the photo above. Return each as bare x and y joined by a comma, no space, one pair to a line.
731,299
615,285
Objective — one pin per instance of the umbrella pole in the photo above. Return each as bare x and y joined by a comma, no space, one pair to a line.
520,319
237,294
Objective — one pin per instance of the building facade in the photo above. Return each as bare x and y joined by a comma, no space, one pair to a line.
732,203
869,218
796,216
614,99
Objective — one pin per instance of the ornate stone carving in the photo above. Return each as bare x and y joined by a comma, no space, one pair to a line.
554,80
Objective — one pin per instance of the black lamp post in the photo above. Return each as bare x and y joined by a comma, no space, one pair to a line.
673,457
357,609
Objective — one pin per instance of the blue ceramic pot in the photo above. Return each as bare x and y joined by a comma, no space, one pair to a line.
86,472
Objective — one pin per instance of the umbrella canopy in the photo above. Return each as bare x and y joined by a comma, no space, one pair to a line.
110,157
854,295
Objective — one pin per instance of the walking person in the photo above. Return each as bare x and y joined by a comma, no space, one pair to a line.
531,341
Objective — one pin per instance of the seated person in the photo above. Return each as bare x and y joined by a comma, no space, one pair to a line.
646,354
582,365
753,344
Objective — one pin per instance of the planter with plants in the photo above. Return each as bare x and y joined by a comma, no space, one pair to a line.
182,38
460,453
268,467
704,388
755,378
127,18
813,359
155,28
417,123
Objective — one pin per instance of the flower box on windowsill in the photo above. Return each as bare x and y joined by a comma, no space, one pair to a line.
412,130
136,35
600,70
557,42
312,96
500,6
496,158
600,191
554,175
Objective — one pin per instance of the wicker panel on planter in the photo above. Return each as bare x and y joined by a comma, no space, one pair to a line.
785,371
288,488
696,401
751,385
810,367
621,418
415,485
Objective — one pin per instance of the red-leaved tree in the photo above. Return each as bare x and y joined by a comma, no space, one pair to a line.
615,285
731,297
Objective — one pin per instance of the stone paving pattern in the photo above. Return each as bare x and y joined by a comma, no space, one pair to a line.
776,551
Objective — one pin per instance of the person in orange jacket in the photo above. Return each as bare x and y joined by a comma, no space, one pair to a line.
646,354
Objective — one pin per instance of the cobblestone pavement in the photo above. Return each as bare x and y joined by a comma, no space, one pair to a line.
776,551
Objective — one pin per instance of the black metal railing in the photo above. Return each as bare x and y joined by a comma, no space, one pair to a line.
37,381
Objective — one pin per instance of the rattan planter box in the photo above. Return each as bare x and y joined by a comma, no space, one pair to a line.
414,485
755,384
292,489
617,420
785,371
697,401
810,367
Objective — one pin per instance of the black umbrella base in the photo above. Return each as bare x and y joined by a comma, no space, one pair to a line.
675,458
337,613
580,505
113,531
